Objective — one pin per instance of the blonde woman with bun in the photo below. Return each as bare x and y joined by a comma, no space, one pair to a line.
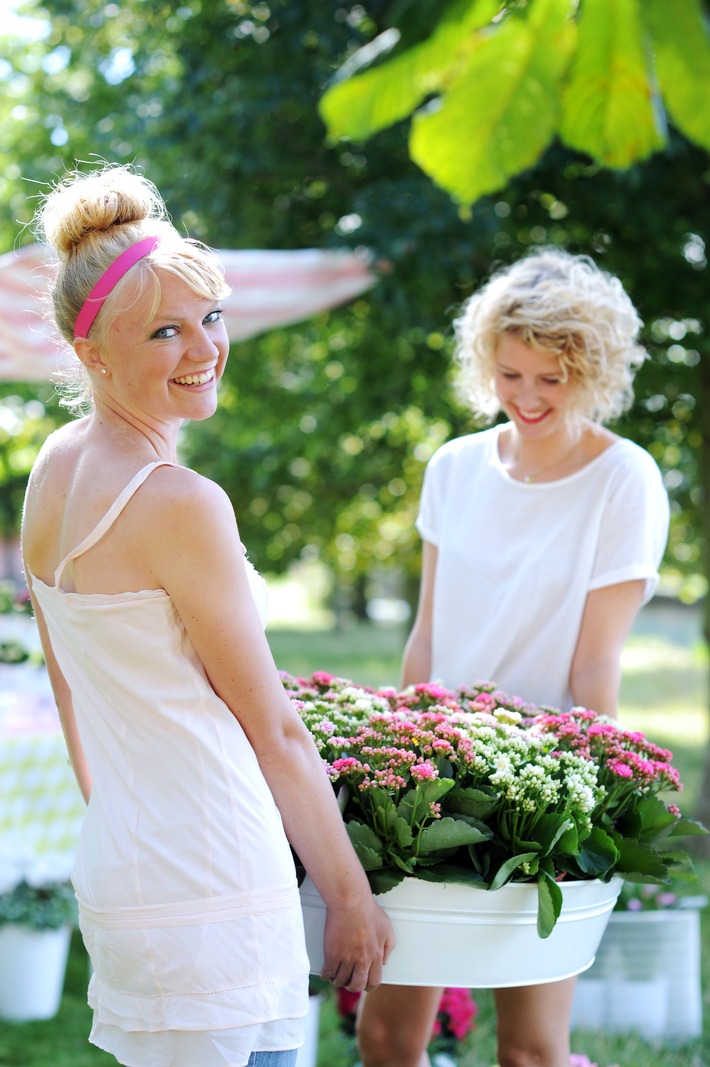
197,771
542,539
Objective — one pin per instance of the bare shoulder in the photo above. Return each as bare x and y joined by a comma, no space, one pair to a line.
193,530
59,452
186,508
180,491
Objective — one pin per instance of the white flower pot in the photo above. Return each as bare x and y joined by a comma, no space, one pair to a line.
648,968
33,964
460,936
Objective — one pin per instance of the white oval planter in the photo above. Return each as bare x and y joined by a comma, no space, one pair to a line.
33,964
460,936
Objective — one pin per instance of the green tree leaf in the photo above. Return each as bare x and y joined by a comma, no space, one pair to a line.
361,105
608,105
501,110
682,51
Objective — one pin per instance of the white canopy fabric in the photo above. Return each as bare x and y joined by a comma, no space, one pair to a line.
269,289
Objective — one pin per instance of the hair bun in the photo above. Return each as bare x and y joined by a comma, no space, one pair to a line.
85,204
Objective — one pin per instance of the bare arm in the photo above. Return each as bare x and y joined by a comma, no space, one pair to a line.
62,696
416,663
199,560
596,667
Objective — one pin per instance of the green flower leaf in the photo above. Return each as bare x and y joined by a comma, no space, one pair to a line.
599,853
414,804
549,828
472,801
687,828
385,879
449,833
639,860
507,869
549,904
449,872
366,843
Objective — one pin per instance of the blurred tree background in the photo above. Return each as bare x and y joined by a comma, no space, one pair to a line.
324,428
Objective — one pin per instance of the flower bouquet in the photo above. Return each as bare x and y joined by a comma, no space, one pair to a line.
482,789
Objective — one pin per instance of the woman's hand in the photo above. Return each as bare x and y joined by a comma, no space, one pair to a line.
357,943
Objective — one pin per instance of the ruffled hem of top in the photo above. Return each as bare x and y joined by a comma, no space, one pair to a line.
247,1007
226,1047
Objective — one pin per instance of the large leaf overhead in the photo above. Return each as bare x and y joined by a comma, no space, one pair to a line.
494,83
608,103
362,105
681,47
501,112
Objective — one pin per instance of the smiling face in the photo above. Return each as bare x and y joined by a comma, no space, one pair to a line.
164,364
531,387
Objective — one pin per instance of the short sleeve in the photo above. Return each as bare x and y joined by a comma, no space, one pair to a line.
444,467
634,524
431,501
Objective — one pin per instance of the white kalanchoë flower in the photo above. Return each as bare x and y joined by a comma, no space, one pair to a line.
504,715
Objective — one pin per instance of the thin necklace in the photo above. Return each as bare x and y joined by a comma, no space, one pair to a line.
528,478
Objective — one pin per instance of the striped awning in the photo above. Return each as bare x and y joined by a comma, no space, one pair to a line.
269,289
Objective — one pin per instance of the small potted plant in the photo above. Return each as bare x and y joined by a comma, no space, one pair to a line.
37,913
646,975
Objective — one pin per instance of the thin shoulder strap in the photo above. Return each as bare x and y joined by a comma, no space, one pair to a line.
110,517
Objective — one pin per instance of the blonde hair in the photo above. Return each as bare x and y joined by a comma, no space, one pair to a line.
564,305
90,219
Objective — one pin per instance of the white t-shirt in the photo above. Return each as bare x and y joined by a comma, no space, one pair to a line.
516,560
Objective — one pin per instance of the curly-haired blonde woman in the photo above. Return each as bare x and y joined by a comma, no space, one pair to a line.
542,538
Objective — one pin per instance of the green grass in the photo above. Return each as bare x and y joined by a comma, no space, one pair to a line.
664,693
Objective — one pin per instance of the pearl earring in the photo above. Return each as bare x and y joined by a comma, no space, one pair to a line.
104,371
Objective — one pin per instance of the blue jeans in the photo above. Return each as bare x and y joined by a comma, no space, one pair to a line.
273,1059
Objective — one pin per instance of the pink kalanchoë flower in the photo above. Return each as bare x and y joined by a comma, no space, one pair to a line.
620,769
347,764
424,772
322,678
459,1010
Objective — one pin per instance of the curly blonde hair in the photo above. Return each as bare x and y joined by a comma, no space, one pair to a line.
565,305
89,219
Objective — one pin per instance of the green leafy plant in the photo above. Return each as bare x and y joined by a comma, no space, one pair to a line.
481,788
44,907
35,889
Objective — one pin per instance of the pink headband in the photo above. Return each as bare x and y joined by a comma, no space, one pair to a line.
108,280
